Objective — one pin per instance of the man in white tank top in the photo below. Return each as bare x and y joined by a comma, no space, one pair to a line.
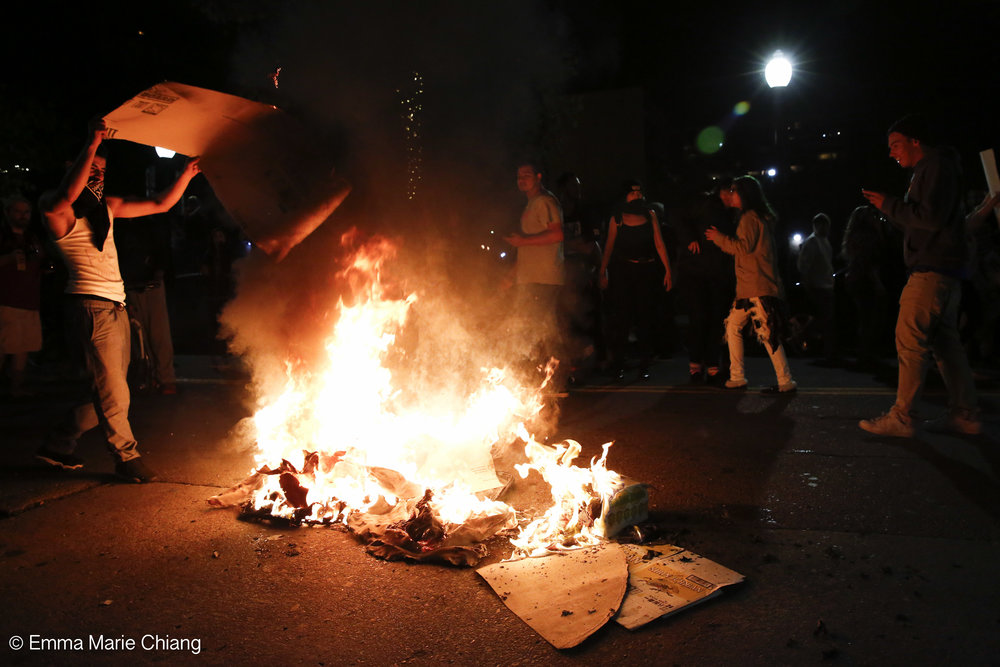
80,219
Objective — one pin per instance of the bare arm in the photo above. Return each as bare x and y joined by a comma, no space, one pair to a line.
125,207
56,206
661,250
609,247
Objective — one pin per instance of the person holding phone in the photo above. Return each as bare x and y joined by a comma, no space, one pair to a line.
931,217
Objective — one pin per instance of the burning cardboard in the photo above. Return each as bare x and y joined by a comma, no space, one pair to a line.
402,520
627,507
262,165
580,498
411,472
413,531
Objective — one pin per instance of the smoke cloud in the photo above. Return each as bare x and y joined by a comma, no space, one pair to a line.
425,108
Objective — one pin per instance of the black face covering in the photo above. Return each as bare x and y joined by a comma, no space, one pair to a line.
90,205
636,206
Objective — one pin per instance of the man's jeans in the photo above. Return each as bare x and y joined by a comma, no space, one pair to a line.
928,322
100,331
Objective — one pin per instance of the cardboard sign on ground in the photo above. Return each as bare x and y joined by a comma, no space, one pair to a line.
568,596
264,167
663,579
565,597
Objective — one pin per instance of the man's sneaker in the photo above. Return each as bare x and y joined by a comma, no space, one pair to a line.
58,459
134,470
789,387
736,384
890,424
954,423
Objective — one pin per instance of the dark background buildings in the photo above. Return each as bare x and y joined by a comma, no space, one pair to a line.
491,70
427,105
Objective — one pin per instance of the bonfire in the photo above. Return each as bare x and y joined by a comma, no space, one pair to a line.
411,474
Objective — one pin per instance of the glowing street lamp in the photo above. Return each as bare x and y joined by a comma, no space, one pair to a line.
778,71
164,152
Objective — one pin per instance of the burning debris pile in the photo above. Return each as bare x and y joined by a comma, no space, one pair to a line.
410,472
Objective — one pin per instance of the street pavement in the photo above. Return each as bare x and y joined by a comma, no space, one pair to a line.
857,550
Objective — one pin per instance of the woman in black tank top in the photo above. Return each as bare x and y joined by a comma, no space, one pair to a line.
631,275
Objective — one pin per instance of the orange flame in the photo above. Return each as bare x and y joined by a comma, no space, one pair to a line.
342,438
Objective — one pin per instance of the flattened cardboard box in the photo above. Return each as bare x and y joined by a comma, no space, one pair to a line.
663,579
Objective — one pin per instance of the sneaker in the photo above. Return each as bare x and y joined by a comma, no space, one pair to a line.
736,384
789,387
890,424
134,470
954,423
58,459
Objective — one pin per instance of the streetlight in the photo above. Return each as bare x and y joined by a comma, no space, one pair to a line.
778,71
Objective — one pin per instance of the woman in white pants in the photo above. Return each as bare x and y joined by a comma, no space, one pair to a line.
759,292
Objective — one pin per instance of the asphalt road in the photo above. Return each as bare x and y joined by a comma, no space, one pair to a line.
856,549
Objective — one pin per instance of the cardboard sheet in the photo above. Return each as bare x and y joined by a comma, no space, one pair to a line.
663,579
565,597
263,166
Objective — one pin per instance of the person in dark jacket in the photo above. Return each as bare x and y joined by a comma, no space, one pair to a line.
934,250
705,282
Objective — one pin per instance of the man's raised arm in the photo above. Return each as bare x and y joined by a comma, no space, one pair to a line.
127,207
56,206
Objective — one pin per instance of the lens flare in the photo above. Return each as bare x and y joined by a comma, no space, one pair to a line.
710,140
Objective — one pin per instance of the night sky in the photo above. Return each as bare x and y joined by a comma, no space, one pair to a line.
490,69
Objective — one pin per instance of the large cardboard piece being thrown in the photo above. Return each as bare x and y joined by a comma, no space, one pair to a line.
263,166
663,579
565,597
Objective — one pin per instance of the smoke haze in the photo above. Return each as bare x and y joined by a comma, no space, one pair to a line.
477,81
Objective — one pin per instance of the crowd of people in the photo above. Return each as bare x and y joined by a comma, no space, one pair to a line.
723,255
605,285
